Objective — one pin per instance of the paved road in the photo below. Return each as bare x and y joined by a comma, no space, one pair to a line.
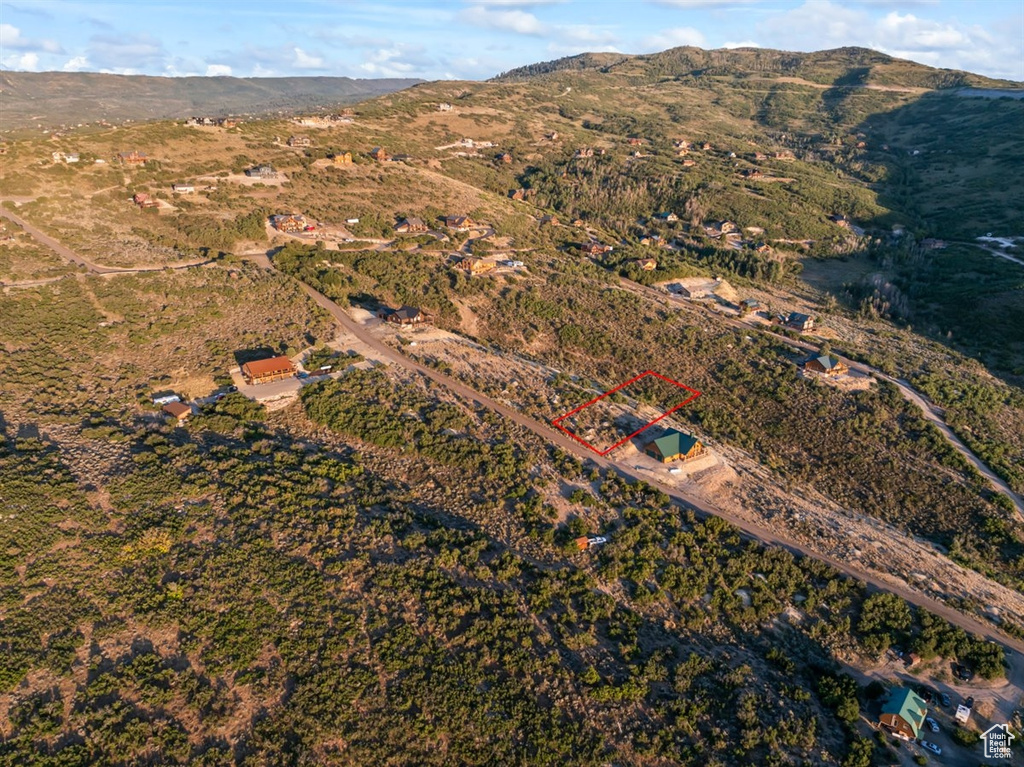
751,529
927,408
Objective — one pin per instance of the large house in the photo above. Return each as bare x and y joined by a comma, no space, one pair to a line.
407,315
342,158
289,222
903,714
299,141
411,225
593,248
459,223
798,321
131,158
265,371
675,446
379,154
262,171
827,364
474,265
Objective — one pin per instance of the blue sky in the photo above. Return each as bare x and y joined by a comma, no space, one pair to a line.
479,38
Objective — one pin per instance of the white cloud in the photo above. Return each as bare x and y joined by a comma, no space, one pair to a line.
76,64
28,61
126,53
672,38
304,60
702,3
513,3
218,70
11,39
397,60
521,22
744,44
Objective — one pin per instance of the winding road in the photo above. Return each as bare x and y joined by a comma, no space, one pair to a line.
749,529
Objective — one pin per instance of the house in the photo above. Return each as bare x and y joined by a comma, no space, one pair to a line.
262,171
840,220
407,315
131,158
582,543
798,321
669,218
289,222
378,154
143,200
675,446
752,173
682,152
903,714
401,158
762,247
226,122
646,264
636,142
299,141
688,163
651,239
719,228
343,158
578,223
706,146
549,221
594,248
750,304
517,194
827,365
179,410
504,157
265,371
444,106
760,156
459,223
473,265
584,151
183,188
71,157
681,144
785,154
553,136
411,225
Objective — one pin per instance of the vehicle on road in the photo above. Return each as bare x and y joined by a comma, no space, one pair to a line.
969,702
937,750
944,699
932,724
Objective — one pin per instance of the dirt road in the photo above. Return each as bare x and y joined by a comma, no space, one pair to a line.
750,529
909,393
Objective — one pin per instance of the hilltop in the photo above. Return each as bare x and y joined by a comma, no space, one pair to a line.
55,98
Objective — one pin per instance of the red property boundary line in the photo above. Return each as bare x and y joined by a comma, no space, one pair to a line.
558,425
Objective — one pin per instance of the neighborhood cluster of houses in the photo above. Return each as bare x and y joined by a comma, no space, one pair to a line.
322,121
219,122
414,225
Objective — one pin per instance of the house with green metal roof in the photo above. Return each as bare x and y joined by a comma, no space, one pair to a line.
903,713
674,446
827,364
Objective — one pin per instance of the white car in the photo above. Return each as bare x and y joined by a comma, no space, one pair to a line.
932,724
937,750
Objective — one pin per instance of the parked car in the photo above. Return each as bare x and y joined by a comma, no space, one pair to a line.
937,750
926,695
932,724
969,702
944,698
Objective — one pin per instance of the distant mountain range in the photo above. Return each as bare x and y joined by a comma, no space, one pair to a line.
55,98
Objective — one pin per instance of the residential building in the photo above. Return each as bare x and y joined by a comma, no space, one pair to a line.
594,248
407,315
262,171
903,714
411,225
378,154
342,158
675,446
459,223
179,410
668,217
183,188
798,321
133,157
549,221
504,157
444,106
646,264
473,265
289,222
267,370
299,141
827,365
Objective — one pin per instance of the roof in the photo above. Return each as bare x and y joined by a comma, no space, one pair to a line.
903,702
177,409
798,317
674,443
828,362
406,313
411,221
267,366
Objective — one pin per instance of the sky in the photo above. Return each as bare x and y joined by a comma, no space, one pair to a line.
477,39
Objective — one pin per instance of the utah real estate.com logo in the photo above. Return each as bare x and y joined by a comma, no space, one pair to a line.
997,741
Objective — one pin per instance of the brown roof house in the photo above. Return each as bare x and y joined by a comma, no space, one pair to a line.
178,410
594,248
646,264
411,225
289,222
473,265
504,157
265,371
133,157
378,154
459,223
407,315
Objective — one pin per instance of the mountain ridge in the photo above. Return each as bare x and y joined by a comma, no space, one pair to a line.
52,98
